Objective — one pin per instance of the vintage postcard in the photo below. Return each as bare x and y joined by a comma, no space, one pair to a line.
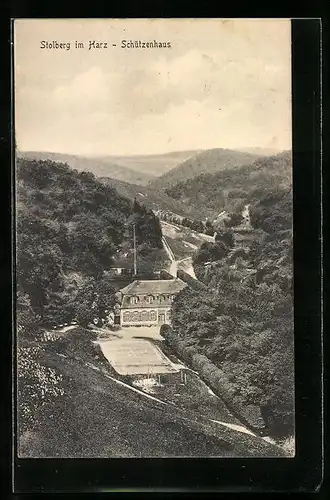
153,201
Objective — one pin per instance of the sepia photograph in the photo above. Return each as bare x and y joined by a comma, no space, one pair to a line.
154,227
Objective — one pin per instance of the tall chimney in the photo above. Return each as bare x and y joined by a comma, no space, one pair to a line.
134,246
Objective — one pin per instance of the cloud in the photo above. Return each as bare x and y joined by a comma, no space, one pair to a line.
223,95
141,91
213,79
89,85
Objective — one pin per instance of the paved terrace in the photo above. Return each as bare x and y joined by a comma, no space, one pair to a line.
136,357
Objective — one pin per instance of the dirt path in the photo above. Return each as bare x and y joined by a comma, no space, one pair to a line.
187,266
182,264
173,268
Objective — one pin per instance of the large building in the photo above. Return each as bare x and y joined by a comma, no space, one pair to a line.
148,302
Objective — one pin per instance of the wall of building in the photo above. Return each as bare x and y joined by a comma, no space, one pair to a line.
144,317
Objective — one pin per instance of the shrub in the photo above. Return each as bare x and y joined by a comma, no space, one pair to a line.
166,331
191,352
38,385
207,370
198,361
289,446
84,315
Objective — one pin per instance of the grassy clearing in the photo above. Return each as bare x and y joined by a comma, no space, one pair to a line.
179,248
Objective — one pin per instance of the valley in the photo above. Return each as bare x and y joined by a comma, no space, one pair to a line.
230,189
208,162
213,181
90,224
153,251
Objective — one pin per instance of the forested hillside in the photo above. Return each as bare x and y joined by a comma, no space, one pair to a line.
209,161
243,324
231,188
69,229
151,198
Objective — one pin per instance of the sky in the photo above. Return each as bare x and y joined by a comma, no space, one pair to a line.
222,84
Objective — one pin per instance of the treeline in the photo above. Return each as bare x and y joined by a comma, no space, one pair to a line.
216,378
243,323
69,229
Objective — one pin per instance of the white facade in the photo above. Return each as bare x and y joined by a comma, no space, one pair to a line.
148,302
145,317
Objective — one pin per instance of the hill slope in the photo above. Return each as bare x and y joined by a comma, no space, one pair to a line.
97,166
210,161
151,198
243,322
127,423
69,223
231,188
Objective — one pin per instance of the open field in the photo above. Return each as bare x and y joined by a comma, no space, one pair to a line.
180,248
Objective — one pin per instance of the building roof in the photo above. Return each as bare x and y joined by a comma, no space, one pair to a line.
153,286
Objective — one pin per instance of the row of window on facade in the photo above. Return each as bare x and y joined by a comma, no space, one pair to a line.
143,316
150,299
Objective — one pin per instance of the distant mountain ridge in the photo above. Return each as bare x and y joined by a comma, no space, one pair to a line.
261,151
208,162
98,167
152,164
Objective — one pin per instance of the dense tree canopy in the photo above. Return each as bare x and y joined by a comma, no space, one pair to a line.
273,212
243,322
230,189
68,222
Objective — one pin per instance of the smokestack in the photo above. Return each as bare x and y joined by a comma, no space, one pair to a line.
134,246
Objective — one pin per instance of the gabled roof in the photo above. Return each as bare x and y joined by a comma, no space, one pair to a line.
153,286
